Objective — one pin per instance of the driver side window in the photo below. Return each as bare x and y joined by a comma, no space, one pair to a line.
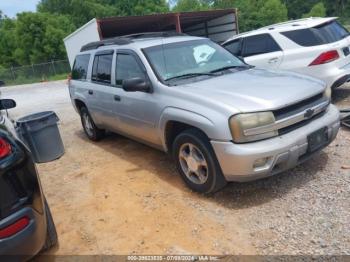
127,67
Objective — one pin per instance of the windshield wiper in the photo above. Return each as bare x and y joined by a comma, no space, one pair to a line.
231,67
189,75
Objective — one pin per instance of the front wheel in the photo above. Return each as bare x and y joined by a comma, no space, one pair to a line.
90,129
196,162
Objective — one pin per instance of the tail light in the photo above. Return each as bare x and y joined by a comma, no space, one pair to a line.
14,228
325,58
5,148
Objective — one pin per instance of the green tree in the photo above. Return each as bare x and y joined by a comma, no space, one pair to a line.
39,37
141,7
191,5
7,42
80,11
317,10
272,11
296,8
253,14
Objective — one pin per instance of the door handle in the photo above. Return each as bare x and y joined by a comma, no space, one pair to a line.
273,60
117,98
91,92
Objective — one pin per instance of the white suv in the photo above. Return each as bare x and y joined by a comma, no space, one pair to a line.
319,47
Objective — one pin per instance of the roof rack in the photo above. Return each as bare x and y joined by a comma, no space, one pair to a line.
154,34
127,39
111,41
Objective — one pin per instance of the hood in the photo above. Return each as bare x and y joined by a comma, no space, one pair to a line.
257,89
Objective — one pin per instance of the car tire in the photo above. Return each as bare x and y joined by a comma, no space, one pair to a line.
90,129
51,233
197,163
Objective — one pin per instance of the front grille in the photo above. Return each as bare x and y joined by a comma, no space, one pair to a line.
297,109
291,128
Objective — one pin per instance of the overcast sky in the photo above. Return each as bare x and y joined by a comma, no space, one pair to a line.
12,7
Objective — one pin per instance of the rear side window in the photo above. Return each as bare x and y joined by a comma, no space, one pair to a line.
80,67
320,35
127,67
102,68
234,47
259,44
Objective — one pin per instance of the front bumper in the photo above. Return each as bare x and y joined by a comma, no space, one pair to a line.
283,152
29,241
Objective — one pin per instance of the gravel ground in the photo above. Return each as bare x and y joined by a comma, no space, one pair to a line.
120,197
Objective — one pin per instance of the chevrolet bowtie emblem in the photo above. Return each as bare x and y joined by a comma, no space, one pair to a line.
309,113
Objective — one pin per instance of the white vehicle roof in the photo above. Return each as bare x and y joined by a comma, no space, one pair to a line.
288,26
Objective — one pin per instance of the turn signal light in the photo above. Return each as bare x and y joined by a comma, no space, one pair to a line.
14,228
5,148
325,58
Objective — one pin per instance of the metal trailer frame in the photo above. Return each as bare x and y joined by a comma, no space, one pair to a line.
218,25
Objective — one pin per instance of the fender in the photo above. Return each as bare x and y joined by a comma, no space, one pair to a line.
78,96
191,118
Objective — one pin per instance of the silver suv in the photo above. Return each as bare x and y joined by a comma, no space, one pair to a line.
219,118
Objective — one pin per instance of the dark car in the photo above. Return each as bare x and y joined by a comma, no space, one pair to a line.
26,224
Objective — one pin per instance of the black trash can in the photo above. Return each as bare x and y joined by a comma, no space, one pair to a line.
41,134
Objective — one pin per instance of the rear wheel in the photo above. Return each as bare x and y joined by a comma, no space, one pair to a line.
91,130
51,234
196,162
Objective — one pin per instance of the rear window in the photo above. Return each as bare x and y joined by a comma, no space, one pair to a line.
80,67
320,35
102,68
259,44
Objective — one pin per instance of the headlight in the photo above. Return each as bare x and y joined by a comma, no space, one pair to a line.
328,93
250,127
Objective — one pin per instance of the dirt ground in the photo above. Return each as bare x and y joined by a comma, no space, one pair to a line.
121,197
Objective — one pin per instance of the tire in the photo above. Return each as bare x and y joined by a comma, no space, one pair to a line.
51,234
90,129
207,177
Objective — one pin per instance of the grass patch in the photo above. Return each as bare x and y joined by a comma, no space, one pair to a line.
23,80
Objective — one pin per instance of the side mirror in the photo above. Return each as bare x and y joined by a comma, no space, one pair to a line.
2,83
7,104
136,84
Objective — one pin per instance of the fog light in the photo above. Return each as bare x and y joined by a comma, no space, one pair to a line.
261,162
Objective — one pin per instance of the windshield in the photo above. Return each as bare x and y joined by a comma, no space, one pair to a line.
190,58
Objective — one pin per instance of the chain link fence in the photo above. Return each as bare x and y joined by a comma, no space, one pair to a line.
53,70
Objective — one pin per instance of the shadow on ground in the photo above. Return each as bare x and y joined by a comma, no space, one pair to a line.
234,195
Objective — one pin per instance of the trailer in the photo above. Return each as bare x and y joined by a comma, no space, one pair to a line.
218,25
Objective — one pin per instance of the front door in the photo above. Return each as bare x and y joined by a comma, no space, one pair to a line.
262,51
137,111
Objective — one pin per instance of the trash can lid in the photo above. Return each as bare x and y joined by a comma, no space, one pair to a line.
37,117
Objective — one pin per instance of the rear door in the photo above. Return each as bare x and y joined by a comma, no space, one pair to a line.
100,92
262,51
